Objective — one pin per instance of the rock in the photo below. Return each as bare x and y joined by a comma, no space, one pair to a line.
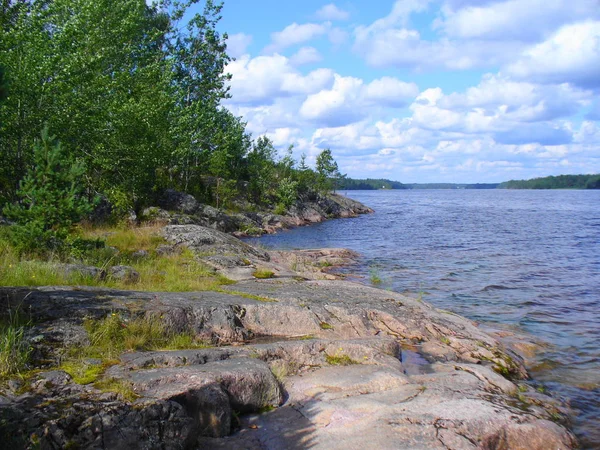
332,355
155,214
102,211
164,249
205,241
83,271
124,273
140,254
171,200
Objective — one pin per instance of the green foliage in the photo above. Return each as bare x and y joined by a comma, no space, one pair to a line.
135,92
14,348
51,199
3,84
555,182
327,170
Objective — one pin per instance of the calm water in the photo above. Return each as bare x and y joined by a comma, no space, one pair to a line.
528,260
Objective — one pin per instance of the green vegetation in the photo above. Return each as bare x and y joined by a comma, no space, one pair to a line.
50,199
263,273
134,92
555,182
326,326
114,334
339,360
109,338
14,348
176,272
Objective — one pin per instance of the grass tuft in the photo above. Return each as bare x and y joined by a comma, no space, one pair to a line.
263,274
339,360
15,351
123,388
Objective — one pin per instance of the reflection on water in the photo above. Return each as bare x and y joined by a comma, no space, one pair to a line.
529,259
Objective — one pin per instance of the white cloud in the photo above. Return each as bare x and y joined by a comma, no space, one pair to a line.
306,55
296,34
332,12
333,106
262,79
519,100
237,44
349,99
402,47
526,20
388,91
571,55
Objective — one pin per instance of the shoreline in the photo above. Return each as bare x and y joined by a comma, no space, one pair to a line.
335,350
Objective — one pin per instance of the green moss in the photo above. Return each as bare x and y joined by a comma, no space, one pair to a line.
83,372
258,298
339,360
326,326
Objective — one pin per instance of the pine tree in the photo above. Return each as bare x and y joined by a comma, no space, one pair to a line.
51,198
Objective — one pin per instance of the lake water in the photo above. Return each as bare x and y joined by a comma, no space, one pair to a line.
526,260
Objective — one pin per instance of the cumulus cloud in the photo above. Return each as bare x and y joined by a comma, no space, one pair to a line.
332,12
348,99
527,20
571,55
296,34
403,47
262,79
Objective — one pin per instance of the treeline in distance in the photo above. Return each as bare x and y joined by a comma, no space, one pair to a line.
555,182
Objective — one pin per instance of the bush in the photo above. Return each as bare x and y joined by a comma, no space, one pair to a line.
51,199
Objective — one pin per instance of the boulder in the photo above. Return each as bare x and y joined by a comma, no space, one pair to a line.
206,241
172,200
83,270
124,273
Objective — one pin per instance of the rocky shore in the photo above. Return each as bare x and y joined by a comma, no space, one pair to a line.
297,360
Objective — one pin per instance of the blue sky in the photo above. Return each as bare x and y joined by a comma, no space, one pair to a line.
423,91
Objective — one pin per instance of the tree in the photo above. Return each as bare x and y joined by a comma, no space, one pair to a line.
51,198
3,84
327,170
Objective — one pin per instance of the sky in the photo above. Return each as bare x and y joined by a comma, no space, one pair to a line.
463,91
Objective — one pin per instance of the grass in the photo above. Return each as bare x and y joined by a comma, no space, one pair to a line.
263,273
339,360
179,272
113,335
122,388
15,351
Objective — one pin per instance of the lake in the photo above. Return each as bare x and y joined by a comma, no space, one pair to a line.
524,260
